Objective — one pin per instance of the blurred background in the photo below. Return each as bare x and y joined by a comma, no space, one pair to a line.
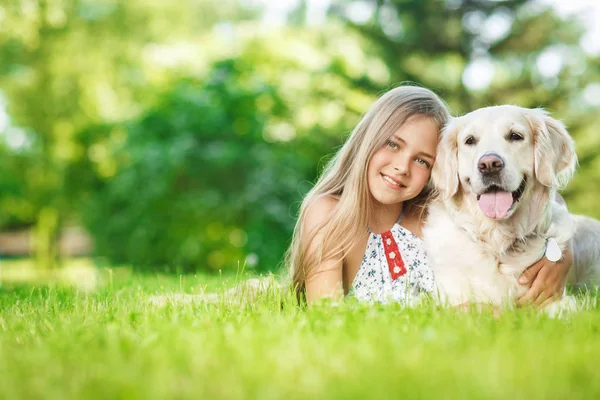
181,135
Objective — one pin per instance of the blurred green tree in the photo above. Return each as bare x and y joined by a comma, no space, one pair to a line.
66,64
196,178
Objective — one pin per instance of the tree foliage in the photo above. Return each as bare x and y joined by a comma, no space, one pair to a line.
196,179
68,64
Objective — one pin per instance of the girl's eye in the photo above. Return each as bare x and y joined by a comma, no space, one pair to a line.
392,145
424,163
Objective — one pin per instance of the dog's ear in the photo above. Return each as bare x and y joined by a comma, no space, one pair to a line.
554,150
445,170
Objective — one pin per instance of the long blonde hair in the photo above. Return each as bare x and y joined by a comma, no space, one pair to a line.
345,176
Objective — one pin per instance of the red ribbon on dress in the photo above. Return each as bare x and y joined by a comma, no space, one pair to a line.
392,254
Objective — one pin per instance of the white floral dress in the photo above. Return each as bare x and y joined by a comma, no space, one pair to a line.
394,268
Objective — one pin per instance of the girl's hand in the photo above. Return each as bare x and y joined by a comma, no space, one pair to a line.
548,280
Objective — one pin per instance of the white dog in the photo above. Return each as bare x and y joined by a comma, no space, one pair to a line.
497,171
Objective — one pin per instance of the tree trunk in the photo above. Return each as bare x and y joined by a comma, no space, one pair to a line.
46,238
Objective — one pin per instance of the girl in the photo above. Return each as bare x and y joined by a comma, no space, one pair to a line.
359,227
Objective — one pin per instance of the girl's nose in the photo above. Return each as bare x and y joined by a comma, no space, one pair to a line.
401,164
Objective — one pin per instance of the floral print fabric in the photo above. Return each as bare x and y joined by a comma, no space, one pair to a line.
374,282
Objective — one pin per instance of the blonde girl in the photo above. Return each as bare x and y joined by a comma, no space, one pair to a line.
359,228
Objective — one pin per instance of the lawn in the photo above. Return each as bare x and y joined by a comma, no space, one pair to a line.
109,342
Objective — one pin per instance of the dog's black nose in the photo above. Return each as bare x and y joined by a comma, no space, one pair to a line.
490,164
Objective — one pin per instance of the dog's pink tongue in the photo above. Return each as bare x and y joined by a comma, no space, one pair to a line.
495,204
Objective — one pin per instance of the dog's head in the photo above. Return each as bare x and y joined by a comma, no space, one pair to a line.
497,155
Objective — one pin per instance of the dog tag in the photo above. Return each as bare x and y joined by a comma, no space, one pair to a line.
553,252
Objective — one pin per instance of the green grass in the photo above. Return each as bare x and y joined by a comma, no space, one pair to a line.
58,342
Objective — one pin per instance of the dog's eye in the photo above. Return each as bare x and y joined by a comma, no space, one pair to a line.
515,137
469,141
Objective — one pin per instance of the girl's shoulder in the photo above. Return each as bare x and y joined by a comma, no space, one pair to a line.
317,216
320,209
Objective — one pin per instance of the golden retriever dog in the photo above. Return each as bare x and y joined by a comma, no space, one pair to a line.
497,172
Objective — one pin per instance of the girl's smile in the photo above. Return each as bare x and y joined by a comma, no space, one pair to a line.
394,184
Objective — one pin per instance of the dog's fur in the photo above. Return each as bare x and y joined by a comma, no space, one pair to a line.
478,259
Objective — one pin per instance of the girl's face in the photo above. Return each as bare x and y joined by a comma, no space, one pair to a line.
400,169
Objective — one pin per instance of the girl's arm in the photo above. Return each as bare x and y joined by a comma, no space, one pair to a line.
325,281
548,278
